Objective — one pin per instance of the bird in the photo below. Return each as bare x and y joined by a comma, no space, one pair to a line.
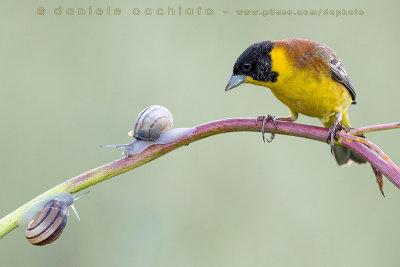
308,77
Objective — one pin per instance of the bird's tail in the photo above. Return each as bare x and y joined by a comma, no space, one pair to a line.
345,156
342,154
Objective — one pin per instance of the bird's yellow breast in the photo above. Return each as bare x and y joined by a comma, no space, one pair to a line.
306,86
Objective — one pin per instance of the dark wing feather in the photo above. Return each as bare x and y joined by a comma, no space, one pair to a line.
337,70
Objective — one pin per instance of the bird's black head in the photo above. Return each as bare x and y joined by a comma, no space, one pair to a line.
255,63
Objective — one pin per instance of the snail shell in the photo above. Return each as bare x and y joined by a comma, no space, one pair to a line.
47,218
48,225
151,122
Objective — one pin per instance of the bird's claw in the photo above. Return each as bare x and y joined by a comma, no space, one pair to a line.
333,130
265,119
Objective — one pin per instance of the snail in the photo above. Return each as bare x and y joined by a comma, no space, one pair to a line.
153,126
47,218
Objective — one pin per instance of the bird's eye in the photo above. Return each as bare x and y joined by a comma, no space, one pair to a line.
246,66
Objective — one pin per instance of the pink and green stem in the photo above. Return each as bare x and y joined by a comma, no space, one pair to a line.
109,170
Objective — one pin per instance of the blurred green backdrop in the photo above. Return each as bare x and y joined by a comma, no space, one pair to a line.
71,83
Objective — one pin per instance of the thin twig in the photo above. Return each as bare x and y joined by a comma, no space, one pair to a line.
120,166
374,128
374,147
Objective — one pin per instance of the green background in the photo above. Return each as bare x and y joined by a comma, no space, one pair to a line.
71,83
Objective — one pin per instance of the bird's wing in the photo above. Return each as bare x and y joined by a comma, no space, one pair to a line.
337,69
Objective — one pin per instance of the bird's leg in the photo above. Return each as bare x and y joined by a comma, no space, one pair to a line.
265,119
336,127
293,117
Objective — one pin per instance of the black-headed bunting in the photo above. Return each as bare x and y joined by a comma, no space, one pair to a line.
307,77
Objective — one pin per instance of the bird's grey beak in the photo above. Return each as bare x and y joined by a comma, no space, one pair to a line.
235,81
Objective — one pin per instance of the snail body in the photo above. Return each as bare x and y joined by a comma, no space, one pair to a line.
138,146
47,218
153,126
151,122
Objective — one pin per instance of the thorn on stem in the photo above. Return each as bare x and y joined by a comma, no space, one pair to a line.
379,179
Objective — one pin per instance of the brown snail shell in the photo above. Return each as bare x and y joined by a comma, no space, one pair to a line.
47,225
151,122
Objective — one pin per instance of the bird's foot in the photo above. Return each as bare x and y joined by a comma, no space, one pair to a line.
333,130
265,119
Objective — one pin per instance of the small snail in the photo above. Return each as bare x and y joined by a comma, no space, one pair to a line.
153,126
48,225
151,122
47,218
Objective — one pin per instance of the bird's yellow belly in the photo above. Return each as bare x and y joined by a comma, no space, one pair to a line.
313,97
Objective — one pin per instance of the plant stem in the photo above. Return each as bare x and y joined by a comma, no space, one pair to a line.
374,128
376,149
120,166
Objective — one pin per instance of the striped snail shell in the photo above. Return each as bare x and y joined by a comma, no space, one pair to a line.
48,225
47,218
151,122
